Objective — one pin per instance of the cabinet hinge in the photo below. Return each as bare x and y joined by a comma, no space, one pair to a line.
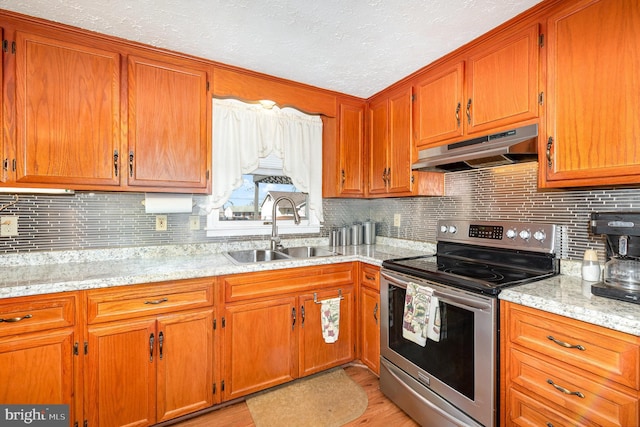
207,85
541,98
215,324
541,40
85,423
75,349
86,347
75,424
213,390
224,322
13,47
222,385
413,97
5,45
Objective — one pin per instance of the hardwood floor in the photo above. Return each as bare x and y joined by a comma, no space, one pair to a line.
380,412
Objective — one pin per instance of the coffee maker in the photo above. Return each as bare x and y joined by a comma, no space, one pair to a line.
621,276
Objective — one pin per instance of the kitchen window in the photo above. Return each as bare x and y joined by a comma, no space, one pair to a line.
258,155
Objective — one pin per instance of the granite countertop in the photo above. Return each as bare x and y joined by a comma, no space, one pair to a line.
81,270
43,273
571,296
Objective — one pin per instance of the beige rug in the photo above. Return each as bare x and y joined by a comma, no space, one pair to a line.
328,399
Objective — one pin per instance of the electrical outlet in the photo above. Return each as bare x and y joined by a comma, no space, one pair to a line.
194,222
8,226
161,223
396,220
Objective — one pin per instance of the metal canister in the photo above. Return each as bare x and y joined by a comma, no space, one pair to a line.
334,239
345,236
356,234
369,232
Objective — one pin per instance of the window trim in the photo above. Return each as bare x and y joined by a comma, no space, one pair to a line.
215,227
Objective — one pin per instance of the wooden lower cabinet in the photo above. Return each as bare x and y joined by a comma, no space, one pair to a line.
259,345
369,317
277,337
157,363
37,361
562,372
273,341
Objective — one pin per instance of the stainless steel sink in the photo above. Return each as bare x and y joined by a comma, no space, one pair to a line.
265,255
307,252
255,255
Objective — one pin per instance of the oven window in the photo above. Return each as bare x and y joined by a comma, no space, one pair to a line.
451,360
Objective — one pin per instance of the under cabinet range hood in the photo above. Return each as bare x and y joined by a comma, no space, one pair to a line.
503,148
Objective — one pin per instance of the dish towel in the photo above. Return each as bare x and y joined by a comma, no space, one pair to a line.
417,311
435,320
330,314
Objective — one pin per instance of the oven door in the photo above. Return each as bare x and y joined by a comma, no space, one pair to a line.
459,370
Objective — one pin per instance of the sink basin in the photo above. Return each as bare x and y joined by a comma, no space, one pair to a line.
307,252
255,255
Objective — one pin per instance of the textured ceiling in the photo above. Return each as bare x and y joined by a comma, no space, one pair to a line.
357,47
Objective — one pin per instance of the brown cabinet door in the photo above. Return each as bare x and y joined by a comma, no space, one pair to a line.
37,368
351,152
592,95
168,110
67,113
400,149
120,377
502,81
439,109
315,354
185,363
260,345
378,144
370,324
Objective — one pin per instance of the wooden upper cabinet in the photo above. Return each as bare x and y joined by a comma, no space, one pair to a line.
490,87
378,124
351,148
67,112
502,81
390,143
592,95
168,111
438,111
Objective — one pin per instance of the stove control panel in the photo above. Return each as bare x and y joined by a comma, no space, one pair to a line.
531,236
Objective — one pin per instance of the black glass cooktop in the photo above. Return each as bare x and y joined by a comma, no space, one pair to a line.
479,269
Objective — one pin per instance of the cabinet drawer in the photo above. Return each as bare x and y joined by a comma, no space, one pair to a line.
135,301
525,411
589,399
240,287
604,352
36,313
370,277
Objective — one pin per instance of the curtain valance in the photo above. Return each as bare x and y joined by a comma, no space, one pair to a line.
244,133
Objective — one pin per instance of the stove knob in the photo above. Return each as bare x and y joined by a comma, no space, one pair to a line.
525,234
443,228
452,229
511,233
539,235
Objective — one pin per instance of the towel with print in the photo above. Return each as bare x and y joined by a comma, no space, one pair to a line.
417,307
330,314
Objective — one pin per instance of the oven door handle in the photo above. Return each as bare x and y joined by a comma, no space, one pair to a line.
457,300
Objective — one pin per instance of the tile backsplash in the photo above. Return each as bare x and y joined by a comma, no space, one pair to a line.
111,220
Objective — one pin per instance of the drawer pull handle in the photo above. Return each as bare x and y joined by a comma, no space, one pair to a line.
16,319
375,313
151,339
564,390
564,344
370,277
157,301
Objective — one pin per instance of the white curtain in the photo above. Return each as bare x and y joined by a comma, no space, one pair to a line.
243,133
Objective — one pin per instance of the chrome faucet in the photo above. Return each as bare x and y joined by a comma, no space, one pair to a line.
275,239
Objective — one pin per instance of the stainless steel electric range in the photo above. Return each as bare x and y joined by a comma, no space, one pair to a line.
453,379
